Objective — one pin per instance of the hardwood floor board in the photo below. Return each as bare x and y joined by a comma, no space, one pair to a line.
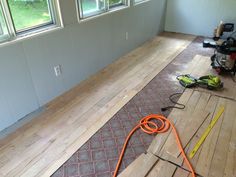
159,141
203,62
216,156
141,166
41,146
230,169
221,148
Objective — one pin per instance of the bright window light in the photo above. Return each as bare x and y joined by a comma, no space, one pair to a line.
19,17
89,8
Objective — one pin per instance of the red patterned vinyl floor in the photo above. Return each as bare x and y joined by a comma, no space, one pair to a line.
99,155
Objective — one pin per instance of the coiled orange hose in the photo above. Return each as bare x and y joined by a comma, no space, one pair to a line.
151,127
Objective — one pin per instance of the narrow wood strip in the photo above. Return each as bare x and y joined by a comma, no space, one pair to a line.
230,169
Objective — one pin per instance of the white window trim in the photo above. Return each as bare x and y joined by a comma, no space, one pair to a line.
141,2
13,37
102,12
21,38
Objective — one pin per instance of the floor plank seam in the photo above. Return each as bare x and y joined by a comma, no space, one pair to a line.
179,166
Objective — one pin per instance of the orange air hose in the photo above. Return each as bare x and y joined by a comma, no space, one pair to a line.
151,127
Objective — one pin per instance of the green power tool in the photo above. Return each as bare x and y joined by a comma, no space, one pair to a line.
210,82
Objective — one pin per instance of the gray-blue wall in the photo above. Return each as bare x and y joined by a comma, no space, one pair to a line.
27,79
198,17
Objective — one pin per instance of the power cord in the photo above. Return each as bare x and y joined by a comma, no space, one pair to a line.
177,105
147,125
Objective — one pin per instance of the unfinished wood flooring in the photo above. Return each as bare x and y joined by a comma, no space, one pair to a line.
200,66
41,146
148,165
215,158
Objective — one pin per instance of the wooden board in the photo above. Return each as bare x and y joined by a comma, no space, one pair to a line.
162,169
215,156
190,129
141,166
201,66
148,165
41,146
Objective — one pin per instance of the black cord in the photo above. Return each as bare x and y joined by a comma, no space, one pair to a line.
178,105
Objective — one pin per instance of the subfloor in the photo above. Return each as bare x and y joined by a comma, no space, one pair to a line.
99,155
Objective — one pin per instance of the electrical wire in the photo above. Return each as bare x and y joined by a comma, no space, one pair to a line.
150,127
177,105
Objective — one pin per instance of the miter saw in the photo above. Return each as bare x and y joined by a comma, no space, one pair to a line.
224,58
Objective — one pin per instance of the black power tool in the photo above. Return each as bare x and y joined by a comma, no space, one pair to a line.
224,58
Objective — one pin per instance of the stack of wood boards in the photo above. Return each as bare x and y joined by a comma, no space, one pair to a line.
215,158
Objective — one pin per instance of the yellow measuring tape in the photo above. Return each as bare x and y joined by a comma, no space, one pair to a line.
207,131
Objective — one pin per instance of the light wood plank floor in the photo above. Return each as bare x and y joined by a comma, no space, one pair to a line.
41,146
215,158
200,66
149,165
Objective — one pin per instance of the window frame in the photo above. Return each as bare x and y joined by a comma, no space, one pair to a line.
5,36
117,5
140,2
13,34
108,9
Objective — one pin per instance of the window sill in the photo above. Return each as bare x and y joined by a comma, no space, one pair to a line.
104,13
29,35
141,2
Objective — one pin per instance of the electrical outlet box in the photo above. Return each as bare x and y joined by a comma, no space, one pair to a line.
57,70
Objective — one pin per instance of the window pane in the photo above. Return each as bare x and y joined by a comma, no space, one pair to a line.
137,1
3,26
28,14
92,7
115,2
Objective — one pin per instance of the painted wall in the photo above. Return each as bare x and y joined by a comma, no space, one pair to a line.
27,79
198,17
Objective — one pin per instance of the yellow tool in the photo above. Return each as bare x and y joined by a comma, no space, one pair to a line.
207,131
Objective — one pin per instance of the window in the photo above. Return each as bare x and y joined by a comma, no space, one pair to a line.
114,3
139,1
18,17
3,26
88,8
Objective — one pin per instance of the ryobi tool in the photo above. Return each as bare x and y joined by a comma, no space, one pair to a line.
210,82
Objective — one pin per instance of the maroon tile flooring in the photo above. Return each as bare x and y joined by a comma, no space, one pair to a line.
99,155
